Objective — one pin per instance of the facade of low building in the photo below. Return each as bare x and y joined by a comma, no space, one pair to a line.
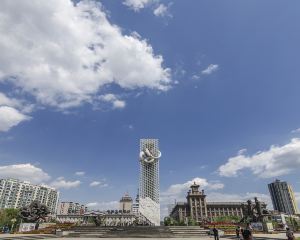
70,208
122,219
180,212
224,209
196,208
70,218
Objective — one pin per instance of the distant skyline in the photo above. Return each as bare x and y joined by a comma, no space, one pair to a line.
217,82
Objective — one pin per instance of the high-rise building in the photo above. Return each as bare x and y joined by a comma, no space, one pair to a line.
17,194
283,198
149,206
71,208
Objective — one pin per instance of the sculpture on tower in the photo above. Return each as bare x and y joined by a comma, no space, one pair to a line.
149,206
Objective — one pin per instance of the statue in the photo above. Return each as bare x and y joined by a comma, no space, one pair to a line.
34,212
148,157
254,212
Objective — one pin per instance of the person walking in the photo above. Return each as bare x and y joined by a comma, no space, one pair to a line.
247,233
237,232
216,233
289,234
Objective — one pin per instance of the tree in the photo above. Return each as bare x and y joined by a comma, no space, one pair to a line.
9,217
192,222
167,221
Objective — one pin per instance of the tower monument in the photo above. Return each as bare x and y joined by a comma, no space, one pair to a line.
149,206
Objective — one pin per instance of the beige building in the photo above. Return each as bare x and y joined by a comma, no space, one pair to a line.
195,208
224,209
126,203
199,210
197,203
16,194
70,208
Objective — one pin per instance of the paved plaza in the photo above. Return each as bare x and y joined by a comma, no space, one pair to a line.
45,237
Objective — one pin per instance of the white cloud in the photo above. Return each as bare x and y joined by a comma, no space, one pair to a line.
137,5
10,102
63,54
24,172
103,205
80,173
98,184
62,183
210,69
10,117
277,161
296,130
178,191
195,77
161,11
113,99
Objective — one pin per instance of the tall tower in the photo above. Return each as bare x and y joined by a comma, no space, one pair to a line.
197,203
283,198
126,203
149,206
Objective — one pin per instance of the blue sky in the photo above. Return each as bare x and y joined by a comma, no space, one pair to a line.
216,81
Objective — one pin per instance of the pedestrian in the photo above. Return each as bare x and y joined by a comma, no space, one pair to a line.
237,232
216,233
247,234
289,234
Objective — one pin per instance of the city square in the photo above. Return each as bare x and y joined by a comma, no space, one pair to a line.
136,119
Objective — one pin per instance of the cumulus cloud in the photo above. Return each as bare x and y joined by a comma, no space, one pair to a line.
296,130
137,5
64,53
62,183
178,191
10,117
210,69
80,173
24,172
161,11
103,205
10,102
276,161
113,99
98,184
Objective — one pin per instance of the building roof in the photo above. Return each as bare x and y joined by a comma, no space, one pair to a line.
126,198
